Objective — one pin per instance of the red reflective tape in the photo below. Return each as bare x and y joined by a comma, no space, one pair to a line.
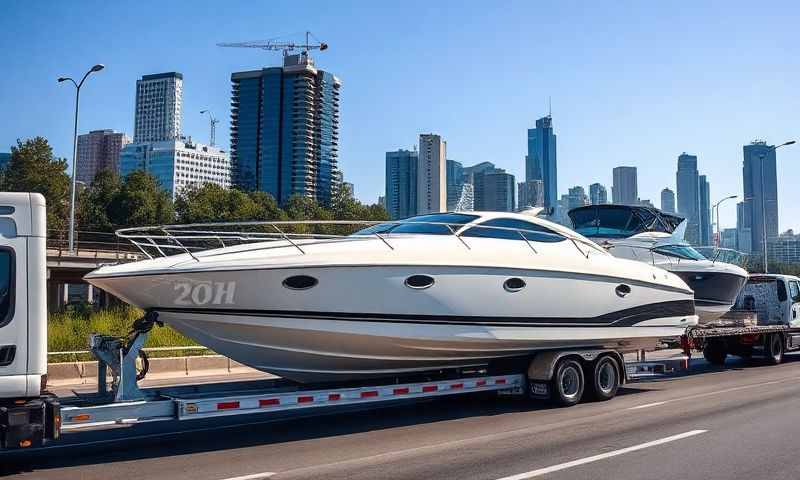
500,381
269,401
430,388
305,399
334,396
371,393
480,383
227,405
457,385
401,391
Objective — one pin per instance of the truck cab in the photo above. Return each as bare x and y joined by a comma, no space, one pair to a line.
28,415
774,298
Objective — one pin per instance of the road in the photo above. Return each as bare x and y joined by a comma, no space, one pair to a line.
738,422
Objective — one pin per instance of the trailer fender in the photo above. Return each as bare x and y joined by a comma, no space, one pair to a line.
542,365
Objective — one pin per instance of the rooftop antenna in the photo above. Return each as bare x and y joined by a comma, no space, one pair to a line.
550,106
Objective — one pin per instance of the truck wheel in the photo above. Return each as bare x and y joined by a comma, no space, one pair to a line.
715,353
567,384
773,349
603,379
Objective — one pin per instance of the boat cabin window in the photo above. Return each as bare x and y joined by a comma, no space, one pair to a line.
6,286
679,251
434,224
513,229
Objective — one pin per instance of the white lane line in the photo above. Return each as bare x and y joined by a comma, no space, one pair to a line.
647,405
584,461
254,476
708,394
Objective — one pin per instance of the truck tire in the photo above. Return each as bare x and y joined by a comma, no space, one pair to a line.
773,348
567,384
715,353
602,379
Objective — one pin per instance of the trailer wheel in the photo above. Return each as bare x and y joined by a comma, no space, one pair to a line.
773,348
715,353
567,384
603,379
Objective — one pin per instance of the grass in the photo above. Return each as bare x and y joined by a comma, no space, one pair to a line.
70,330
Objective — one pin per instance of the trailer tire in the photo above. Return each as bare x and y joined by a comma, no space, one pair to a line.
773,348
603,378
715,353
567,384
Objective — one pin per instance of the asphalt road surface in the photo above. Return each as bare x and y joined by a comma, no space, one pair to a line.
741,422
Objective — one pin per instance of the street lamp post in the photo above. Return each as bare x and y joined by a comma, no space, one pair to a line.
716,215
78,86
764,201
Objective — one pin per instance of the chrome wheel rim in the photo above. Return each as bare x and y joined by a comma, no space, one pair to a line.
570,382
607,377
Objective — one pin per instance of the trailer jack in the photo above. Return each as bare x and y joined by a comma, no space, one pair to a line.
121,355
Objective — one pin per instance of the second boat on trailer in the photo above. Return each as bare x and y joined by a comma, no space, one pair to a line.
430,292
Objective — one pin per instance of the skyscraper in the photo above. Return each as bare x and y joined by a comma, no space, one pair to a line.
576,197
744,231
158,107
285,130
401,184
598,194
541,161
455,182
531,194
625,190
687,180
431,174
759,169
667,201
494,191
5,157
99,150
177,164
704,193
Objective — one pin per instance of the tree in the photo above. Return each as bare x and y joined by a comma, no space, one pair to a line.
141,201
34,168
94,202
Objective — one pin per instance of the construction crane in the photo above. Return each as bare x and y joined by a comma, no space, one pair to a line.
286,47
214,123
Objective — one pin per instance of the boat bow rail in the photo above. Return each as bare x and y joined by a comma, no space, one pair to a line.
166,240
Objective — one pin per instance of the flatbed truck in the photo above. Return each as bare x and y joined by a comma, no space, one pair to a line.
31,417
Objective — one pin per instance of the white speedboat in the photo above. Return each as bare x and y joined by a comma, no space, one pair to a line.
430,292
649,235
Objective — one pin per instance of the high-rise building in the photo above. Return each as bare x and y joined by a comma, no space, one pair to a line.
598,194
704,193
455,182
470,172
466,198
99,150
784,248
431,174
667,201
760,192
646,203
744,230
687,180
728,238
541,161
5,157
625,190
285,130
158,107
401,184
576,197
177,164
494,191
531,193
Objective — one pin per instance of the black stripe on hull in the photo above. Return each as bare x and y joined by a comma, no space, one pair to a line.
621,318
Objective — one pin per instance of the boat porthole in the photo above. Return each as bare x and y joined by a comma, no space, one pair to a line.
514,284
300,282
419,282
622,290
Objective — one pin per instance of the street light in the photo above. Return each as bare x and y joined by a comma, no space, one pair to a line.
764,200
78,86
716,206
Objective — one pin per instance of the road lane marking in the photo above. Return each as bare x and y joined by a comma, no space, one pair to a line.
602,456
708,394
254,476
647,405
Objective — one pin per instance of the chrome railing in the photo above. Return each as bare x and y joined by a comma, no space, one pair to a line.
166,240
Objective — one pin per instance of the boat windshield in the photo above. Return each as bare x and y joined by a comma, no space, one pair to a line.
422,224
680,251
621,221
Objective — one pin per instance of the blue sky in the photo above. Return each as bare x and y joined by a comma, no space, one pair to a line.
632,83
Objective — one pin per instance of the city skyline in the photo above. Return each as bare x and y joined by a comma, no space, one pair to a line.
389,107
